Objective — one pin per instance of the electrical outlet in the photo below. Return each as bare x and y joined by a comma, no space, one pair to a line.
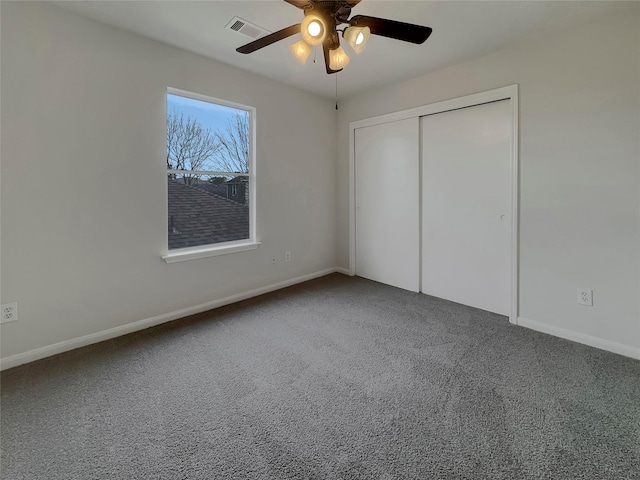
287,256
9,312
585,297
274,259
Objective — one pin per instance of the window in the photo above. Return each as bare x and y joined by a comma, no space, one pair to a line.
210,182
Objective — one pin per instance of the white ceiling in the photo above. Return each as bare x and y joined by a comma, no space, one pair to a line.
461,30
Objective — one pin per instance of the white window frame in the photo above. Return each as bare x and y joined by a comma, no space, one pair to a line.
223,248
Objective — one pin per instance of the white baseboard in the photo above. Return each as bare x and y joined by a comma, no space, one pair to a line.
619,348
344,271
43,352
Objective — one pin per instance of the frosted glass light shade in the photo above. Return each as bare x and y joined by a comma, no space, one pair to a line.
338,59
313,30
357,37
301,50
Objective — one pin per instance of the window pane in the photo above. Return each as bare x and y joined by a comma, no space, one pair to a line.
206,136
203,135
207,209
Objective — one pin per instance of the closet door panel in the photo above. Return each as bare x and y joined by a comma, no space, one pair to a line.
388,202
466,206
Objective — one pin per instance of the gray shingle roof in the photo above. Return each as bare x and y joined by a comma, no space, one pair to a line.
197,217
238,180
215,188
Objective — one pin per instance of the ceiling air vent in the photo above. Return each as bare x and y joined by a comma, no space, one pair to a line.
249,29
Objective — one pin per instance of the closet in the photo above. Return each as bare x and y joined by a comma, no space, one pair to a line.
433,204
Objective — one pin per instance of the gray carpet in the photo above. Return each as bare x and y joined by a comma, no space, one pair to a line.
337,378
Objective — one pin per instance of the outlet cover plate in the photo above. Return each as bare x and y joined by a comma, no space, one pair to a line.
9,312
585,297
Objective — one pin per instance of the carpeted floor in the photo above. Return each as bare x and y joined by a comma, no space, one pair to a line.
337,378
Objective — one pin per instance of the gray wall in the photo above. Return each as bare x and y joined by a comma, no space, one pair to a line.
579,161
84,183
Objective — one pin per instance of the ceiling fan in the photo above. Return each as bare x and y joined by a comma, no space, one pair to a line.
319,26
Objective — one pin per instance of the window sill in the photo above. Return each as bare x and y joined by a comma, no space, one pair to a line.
185,254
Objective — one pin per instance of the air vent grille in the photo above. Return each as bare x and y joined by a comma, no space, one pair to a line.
249,29
237,25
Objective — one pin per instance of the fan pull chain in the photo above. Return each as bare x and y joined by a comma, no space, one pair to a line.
315,54
336,90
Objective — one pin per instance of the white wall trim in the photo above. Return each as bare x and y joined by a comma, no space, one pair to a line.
608,345
184,254
509,92
515,203
344,271
43,352
494,95
253,205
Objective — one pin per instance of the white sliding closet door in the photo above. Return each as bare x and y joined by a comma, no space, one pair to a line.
387,203
466,206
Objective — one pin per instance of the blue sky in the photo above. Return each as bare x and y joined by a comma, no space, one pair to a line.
208,114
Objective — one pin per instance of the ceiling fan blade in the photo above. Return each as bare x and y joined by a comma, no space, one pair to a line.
300,3
269,39
325,49
407,32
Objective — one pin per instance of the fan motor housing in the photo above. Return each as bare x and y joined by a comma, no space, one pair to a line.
339,11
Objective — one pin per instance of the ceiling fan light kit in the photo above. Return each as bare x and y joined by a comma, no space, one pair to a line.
357,37
338,59
319,27
313,30
301,50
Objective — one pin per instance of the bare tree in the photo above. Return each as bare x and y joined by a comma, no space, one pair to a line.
233,155
189,145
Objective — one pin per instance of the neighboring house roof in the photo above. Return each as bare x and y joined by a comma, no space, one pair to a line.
238,180
197,217
214,188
